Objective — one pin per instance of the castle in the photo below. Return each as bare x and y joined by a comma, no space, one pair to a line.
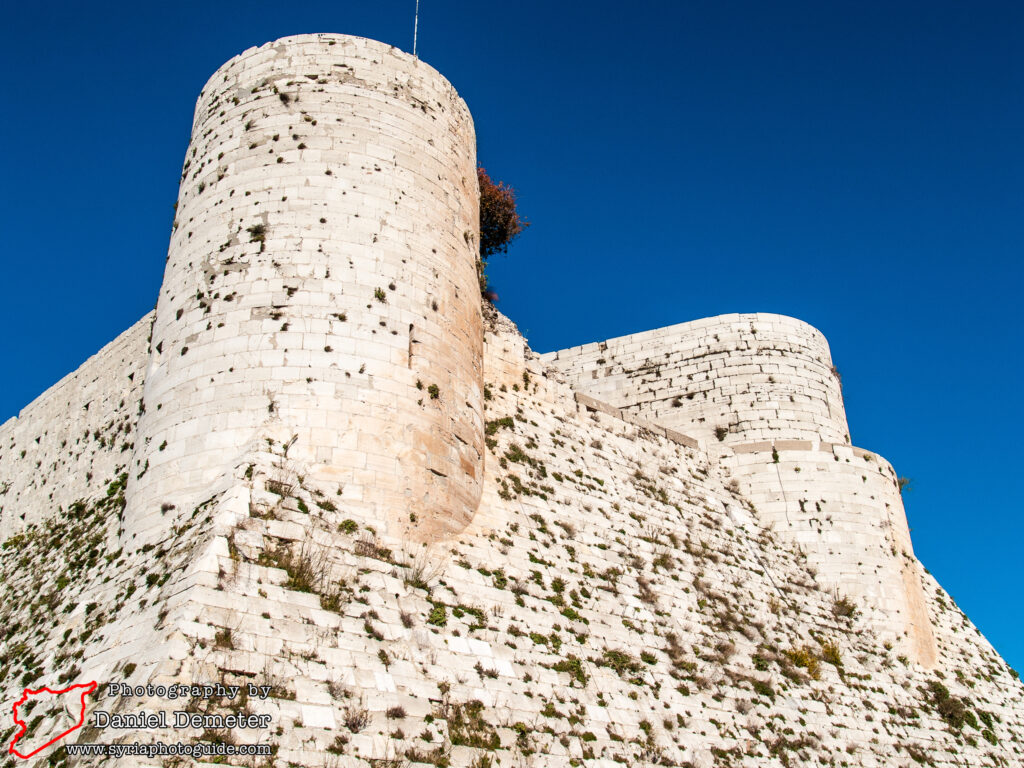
324,464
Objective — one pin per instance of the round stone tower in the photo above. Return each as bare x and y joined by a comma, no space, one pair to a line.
760,392
321,284
730,379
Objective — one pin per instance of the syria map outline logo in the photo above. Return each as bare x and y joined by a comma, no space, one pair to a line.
86,689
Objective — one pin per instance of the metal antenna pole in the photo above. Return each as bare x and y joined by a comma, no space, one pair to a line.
415,27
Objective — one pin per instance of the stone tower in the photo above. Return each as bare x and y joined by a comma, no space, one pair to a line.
760,392
320,291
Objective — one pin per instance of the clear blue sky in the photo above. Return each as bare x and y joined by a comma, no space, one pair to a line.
856,165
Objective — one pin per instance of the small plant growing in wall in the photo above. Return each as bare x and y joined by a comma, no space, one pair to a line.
356,717
223,639
843,608
438,615
830,653
380,296
806,658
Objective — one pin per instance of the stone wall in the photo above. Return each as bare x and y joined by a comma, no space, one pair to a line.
321,288
733,378
841,506
760,391
609,604
73,438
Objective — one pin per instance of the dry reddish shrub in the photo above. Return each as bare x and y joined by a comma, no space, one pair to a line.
500,222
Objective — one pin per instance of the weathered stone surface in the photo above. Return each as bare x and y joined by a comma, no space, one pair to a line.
733,378
606,582
321,283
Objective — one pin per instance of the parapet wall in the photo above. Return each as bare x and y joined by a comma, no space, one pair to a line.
737,378
321,289
74,437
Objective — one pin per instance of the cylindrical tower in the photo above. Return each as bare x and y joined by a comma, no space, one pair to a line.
842,507
731,379
321,281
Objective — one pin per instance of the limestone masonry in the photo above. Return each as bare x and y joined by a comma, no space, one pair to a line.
327,481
